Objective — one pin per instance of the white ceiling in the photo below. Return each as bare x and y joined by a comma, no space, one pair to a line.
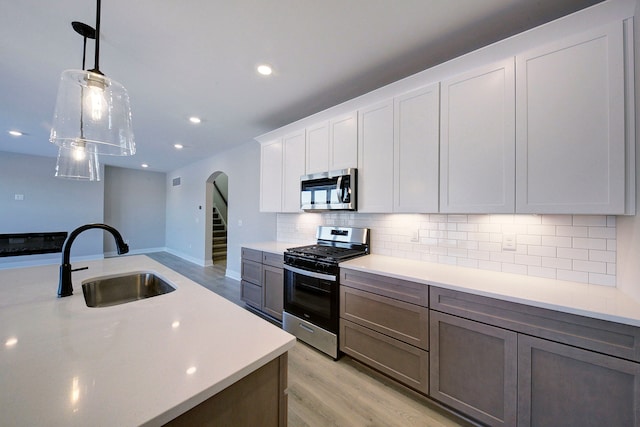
179,58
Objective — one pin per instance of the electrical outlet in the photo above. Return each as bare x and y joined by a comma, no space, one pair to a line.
509,242
415,236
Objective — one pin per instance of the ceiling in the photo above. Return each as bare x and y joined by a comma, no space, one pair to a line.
182,58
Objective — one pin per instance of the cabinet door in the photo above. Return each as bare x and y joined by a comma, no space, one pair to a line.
416,150
251,294
559,385
343,142
571,136
477,150
473,368
273,291
271,177
375,158
293,158
317,152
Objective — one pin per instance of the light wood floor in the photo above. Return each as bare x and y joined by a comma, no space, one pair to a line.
323,392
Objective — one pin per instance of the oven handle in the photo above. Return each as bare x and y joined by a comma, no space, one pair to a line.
310,273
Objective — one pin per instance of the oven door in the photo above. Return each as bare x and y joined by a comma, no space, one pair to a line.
312,296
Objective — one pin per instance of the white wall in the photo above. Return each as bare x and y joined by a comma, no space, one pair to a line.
186,214
50,204
629,227
135,204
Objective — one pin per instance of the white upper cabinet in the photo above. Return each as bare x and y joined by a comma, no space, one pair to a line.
571,125
271,176
293,158
343,142
317,157
415,144
477,146
375,158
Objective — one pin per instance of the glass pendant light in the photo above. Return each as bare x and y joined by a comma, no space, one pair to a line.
78,164
92,111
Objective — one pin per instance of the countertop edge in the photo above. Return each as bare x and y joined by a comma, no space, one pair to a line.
595,301
197,399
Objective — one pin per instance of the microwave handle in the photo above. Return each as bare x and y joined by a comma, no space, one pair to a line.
339,189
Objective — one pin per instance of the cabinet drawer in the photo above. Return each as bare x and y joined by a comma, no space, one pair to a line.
274,260
403,290
251,255
251,271
602,336
251,294
398,319
403,362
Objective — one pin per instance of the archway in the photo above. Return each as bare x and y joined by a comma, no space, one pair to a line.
217,203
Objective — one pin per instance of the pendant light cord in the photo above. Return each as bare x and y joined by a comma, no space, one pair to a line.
96,66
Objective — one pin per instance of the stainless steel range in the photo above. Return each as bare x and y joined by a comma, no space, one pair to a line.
311,285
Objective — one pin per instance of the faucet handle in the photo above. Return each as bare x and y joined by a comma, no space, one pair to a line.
81,268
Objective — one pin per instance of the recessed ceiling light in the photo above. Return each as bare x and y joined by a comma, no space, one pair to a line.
265,70
195,120
144,165
15,133
178,146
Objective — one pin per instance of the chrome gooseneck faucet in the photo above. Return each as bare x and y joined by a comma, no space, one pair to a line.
65,287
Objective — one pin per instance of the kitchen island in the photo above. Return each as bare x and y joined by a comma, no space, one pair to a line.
145,362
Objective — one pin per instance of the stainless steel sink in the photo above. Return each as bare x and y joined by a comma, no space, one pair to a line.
114,290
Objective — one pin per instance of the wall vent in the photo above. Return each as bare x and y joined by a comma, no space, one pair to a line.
176,181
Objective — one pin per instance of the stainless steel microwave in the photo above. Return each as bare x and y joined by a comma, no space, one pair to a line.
326,191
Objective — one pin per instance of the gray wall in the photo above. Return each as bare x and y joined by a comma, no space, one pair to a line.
50,204
135,204
186,216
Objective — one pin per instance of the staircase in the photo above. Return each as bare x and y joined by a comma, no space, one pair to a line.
219,249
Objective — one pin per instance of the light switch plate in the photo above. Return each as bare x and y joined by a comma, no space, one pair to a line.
509,242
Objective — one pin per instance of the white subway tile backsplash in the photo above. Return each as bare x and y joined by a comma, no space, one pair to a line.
549,273
558,242
579,248
571,231
590,220
602,232
572,276
515,269
588,243
602,279
545,251
573,253
556,219
604,256
528,260
590,266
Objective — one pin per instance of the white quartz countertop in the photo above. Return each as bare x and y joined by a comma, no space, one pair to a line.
600,302
139,363
272,247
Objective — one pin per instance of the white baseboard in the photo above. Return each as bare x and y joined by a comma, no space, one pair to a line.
233,275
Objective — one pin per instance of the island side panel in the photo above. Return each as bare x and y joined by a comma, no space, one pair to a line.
259,399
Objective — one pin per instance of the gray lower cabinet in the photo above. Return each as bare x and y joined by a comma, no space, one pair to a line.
381,326
508,364
563,385
262,284
473,368
251,273
273,291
